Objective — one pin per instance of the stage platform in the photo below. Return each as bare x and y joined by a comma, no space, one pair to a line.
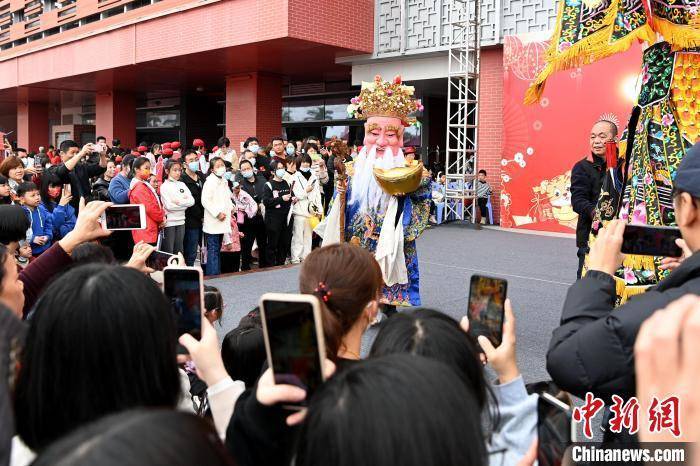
539,270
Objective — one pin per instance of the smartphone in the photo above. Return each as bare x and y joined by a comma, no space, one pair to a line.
183,287
487,297
651,241
158,260
124,217
554,430
294,342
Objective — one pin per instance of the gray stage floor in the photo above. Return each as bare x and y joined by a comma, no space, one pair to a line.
539,270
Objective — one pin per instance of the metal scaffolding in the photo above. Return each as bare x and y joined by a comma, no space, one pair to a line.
462,109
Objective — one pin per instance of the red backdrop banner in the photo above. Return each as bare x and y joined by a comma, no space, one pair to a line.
542,142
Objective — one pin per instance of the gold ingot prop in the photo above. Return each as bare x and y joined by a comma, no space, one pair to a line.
401,180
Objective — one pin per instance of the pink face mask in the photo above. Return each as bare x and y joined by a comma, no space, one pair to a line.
54,192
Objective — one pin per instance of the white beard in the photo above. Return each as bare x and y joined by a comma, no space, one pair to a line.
364,188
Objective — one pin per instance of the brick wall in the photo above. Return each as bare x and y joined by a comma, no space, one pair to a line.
491,122
253,107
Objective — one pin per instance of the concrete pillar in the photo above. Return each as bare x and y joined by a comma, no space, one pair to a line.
32,122
115,117
253,107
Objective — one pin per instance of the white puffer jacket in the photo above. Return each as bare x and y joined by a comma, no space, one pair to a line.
306,199
216,199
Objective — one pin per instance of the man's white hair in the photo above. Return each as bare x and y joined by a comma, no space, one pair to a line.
364,189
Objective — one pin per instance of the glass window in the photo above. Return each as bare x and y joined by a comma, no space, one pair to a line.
340,132
303,110
158,118
336,109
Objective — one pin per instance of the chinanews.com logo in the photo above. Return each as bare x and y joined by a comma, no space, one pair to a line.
645,453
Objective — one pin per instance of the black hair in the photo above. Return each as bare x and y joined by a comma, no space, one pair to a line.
4,252
102,340
13,224
482,171
303,158
25,188
5,200
240,165
213,161
187,152
98,138
92,253
223,142
21,149
138,163
274,164
49,178
154,437
169,165
243,350
143,143
67,145
398,409
277,138
249,140
116,142
435,335
213,300
310,145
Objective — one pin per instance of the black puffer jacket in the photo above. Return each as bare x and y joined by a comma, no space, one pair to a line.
593,348
586,180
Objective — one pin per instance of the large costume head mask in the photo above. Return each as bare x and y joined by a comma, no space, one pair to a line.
386,107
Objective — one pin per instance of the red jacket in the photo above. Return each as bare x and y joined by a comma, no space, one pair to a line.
142,194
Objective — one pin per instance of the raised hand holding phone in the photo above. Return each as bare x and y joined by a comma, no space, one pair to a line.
503,357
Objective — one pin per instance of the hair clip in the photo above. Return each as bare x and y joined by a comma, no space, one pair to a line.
323,292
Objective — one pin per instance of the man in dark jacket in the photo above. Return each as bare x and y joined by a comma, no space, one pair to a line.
79,167
253,229
593,348
194,215
586,180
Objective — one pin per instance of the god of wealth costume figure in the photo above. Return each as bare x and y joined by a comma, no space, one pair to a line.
385,203
665,122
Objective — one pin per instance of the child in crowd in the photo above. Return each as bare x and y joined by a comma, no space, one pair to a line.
213,304
243,349
40,233
5,191
483,192
24,254
56,198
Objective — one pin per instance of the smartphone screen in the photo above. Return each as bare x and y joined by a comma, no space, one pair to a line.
158,260
183,288
293,342
651,241
127,217
487,298
553,431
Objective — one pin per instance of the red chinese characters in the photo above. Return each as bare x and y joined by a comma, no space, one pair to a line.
587,412
664,415
624,415
661,415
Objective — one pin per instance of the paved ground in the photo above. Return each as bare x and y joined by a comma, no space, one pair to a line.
538,269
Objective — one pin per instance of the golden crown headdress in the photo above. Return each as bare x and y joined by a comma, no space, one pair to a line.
385,98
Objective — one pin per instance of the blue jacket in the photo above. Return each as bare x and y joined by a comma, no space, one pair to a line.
119,189
63,218
42,225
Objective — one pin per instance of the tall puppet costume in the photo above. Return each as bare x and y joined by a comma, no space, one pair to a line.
664,123
386,204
